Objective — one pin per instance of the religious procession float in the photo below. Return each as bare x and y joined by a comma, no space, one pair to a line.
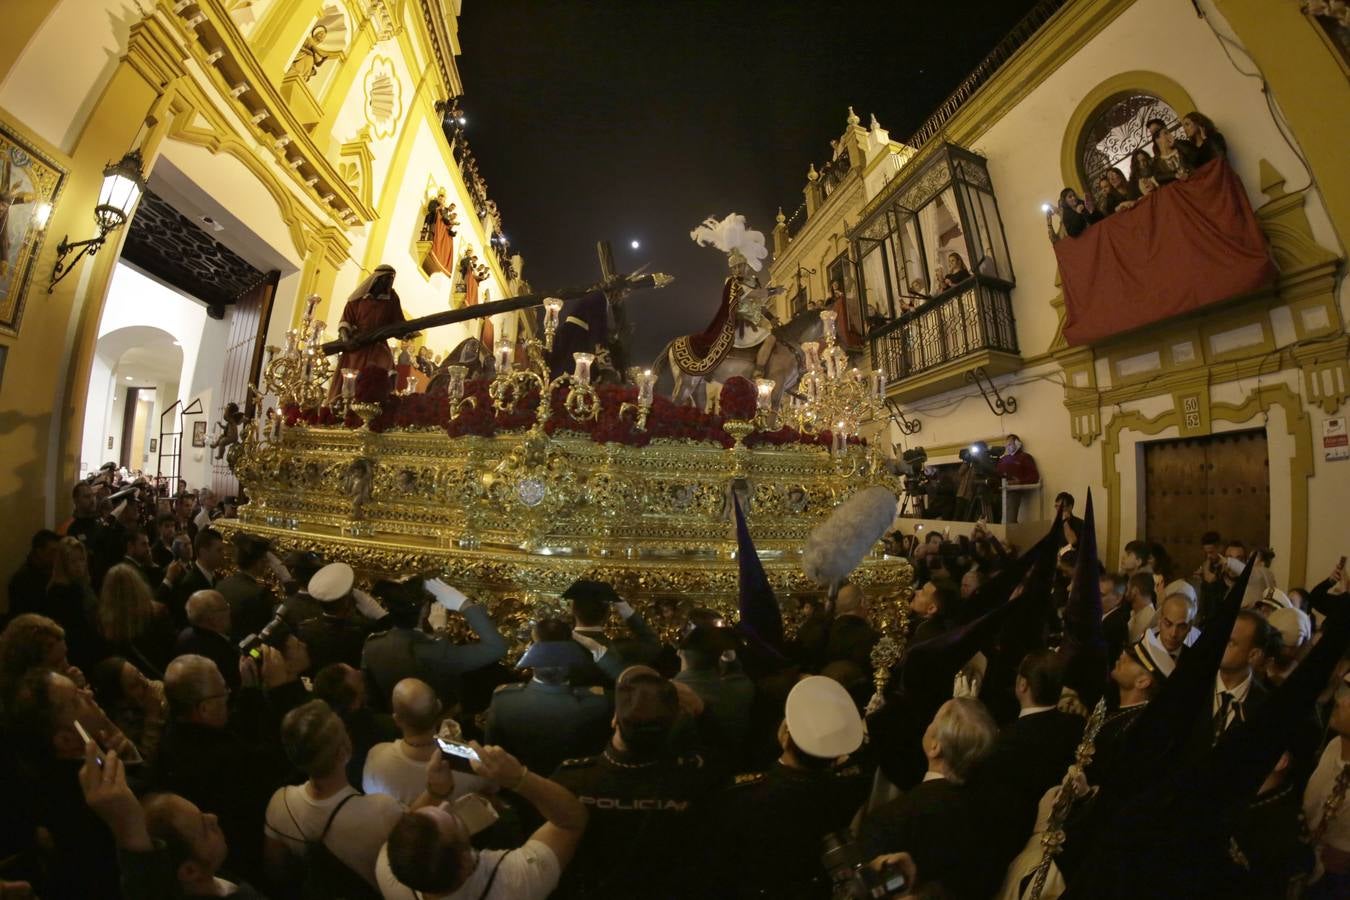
517,471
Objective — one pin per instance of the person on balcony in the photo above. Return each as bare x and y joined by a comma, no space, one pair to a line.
1208,140
1120,194
1074,216
1141,173
957,273
1175,159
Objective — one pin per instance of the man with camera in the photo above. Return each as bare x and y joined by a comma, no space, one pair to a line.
251,601
405,651
592,602
430,856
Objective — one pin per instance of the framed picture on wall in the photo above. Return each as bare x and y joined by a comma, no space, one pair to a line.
30,183
154,445
199,433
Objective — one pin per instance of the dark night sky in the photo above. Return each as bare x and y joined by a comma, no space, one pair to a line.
630,119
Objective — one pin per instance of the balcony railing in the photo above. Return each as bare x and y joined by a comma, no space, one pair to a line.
1002,52
972,317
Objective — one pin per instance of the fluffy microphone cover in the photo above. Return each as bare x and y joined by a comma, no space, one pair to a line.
839,543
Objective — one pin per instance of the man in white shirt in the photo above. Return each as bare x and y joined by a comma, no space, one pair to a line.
1139,594
429,856
399,768
1325,805
316,742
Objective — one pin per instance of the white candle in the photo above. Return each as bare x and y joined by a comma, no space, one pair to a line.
504,354
290,342
348,384
827,317
455,388
552,306
583,367
812,351
764,399
646,388
840,437
879,384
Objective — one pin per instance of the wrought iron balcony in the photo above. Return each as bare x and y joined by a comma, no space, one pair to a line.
968,327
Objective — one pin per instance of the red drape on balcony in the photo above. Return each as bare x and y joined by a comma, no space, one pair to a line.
442,245
1187,245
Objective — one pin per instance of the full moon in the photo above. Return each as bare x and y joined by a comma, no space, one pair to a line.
635,244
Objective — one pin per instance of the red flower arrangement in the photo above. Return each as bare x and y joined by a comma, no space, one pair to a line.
738,398
665,421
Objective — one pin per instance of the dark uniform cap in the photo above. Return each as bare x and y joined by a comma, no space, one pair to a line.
1150,653
642,697
713,641
585,588
554,655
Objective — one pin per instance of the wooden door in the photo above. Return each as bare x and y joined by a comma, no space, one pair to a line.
1217,483
243,362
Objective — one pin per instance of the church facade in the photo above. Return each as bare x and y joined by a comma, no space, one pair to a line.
1222,415
287,149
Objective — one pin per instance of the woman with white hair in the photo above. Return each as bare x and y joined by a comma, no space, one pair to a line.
934,821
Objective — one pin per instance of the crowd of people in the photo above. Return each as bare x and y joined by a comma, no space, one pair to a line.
185,716
1166,159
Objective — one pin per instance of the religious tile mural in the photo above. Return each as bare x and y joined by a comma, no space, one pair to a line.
29,185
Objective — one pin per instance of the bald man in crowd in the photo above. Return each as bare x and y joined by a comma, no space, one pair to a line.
399,768
1174,629
848,636
208,634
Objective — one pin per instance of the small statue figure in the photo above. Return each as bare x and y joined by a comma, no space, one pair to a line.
311,55
229,430
438,208
358,482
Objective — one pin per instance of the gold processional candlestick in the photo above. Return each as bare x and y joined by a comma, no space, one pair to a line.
511,385
886,652
299,373
836,397
646,384
1071,789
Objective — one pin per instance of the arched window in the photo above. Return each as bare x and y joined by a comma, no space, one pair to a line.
1117,129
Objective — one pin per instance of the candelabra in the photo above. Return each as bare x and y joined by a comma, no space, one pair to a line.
298,373
511,384
646,382
837,398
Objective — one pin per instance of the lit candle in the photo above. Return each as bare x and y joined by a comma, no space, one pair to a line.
840,437
316,332
583,367
879,384
764,399
812,351
827,317
290,342
455,388
504,354
552,306
812,386
646,388
856,374
348,384
831,365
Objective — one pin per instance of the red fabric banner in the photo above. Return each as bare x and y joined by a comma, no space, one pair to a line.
1184,246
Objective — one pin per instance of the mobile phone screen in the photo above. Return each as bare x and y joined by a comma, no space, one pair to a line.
460,754
84,735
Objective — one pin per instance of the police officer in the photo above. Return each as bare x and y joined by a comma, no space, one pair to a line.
592,602
772,824
338,634
645,834
547,720
406,652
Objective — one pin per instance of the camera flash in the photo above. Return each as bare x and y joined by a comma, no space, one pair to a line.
1046,207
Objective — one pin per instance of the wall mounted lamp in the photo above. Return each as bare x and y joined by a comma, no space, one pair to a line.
123,185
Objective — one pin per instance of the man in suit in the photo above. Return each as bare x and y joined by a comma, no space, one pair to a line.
848,636
208,634
139,557
182,580
592,602
1115,616
161,549
934,822
547,720
252,603
1174,629
1239,689
1030,756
